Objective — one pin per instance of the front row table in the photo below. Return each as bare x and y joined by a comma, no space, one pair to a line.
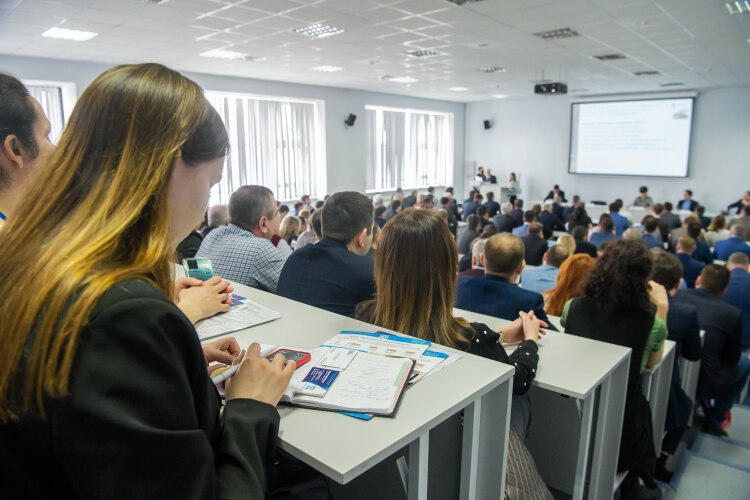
343,447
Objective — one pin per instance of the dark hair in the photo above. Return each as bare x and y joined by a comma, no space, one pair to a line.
503,253
379,211
535,228
445,200
607,224
556,255
248,204
659,208
472,221
579,233
614,207
209,142
304,197
478,196
316,220
431,188
482,210
700,209
618,281
667,269
580,217
643,189
603,246
345,214
689,192
518,203
395,204
694,230
283,209
449,190
490,195
298,204
536,208
17,116
668,206
489,230
428,199
747,210
529,216
650,224
319,204
556,186
576,198
715,278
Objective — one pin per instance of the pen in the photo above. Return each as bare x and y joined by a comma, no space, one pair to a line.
224,374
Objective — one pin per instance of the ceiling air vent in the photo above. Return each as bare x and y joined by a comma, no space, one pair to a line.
423,53
610,57
672,84
557,34
646,73
492,69
318,30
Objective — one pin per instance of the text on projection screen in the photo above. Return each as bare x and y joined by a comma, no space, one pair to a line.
647,137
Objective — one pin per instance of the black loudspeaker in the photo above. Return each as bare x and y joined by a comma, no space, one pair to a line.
487,124
350,119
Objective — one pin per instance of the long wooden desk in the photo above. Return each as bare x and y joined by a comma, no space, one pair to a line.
343,448
578,400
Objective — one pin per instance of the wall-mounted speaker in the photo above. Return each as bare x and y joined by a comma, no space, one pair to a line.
350,119
487,124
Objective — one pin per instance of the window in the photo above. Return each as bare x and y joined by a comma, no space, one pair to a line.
275,142
57,100
408,148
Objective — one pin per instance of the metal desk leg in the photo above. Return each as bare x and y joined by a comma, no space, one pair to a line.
485,445
659,397
419,452
584,445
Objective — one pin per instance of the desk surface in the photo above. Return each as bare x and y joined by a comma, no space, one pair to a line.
568,365
343,447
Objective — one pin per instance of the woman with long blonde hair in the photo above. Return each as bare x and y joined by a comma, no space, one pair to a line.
569,283
104,391
290,229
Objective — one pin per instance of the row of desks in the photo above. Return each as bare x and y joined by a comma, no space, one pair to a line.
578,399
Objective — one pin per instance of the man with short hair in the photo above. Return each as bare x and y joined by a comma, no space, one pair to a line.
393,209
664,226
724,369
410,200
580,235
483,213
446,204
621,223
379,213
504,221
556,191
738,293
741,203
549,221
428,202
569,210
632,233
283,211
493,207
643,199
470,205
557,209
691,268
542,278
307,204
517,212
242,251
377,200
650,230
534,245
743,221
477,259
528,218
335,274
218,215
735,243
672,220
313,233
607,232
24,142
495,293
687,202
298,207
467,236
701,253
677,233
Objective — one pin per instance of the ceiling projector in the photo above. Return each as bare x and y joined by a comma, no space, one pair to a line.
550,88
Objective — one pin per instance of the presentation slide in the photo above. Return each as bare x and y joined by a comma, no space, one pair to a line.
648,137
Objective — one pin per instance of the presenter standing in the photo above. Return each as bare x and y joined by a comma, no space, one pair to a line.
514,189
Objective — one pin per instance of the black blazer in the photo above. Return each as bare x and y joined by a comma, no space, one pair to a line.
518,216
327,275
722,344
142,417
738,205
551,196
493,207
408,201
535,248
692,204
683,328
190,245
586,247
550,223
505,223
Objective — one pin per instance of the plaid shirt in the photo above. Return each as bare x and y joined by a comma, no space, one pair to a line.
240,256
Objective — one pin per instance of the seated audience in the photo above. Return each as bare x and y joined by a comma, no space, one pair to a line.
606,232
534,245
187,248
603,248
643,199
701,253
632,234
579,217
582,244
447,204
483,215
664,225
735,243
705,221
687,202
496,293
676,234
304,214
683,329
650,230
598,227
470,207
410,200
741,203
517,212
621,223
528,218
472,230
570,209
320,203
542,278
242,251
558,210
691,268
379,213
724,369
567,242
218,215
504,221
122,366
335,274
569,283
307,203
24,143
549,221
374,246
493,207
673,220
738,293
283,212
556,191
743,221
393,209
618,307
377,201
477,259
717,230
313,233
290,229
298,207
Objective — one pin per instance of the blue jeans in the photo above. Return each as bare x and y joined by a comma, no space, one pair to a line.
718,413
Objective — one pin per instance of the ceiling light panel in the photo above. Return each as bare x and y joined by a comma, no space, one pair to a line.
557,34
458,89
492,69
75,35
399,79
327,69
223,54
318,31
423,53
738,7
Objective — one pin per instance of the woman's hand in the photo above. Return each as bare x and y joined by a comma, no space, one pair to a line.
184,283
204,299
532,326
516,331
225,351
260,379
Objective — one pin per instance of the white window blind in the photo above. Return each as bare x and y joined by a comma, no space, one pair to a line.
275,143
57,100
408,148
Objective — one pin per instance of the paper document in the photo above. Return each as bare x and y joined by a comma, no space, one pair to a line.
242,314
380,343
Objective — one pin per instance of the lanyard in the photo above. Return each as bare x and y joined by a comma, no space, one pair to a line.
2,216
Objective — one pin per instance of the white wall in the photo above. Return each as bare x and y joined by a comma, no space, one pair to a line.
345,146
531,137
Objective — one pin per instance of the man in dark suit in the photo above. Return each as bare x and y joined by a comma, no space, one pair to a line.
724,369
687,202
473,230
445,204
569,210
691,268
557,209
470,207
738,293
517,212
735,243
741,203
672,220
556,191
534,245
334,274
550,222
410,200
393,209
495,293
683,328
701,253
580,235
493,207
504,221
700,210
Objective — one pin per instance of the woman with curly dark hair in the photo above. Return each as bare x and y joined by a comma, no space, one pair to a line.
622,307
